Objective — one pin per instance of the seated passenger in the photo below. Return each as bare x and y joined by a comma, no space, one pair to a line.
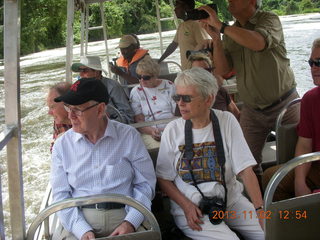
61,122
152,99
90,67
305,178
223,101
131,54
98,156
189,172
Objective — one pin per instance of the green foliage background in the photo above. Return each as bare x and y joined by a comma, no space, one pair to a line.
43,22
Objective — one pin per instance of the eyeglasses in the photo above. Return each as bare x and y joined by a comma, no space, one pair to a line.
84,70
77,111
315,62
185,98
144,77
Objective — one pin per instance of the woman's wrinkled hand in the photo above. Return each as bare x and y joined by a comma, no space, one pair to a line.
156,134
193,215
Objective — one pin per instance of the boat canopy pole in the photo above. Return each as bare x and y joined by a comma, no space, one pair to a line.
159,20
69,44
13,115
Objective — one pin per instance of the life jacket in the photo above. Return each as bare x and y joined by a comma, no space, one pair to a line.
131,66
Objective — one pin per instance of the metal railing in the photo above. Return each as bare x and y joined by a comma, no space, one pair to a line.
81,201
279,175
11,136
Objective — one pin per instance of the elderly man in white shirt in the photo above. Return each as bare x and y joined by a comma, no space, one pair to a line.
98,156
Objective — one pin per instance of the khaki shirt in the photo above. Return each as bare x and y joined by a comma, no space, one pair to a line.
189,34
262,76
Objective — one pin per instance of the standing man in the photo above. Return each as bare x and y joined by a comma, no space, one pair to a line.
98,156
189,33
90,67
131,55
254,46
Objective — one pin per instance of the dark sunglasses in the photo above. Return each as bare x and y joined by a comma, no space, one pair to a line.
185,98
315,62
144,77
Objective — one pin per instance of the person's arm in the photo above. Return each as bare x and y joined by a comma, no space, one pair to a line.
304,145
191,211
154,132
130,79
247,38
120,100
88,235
251,184
71,219
221,64
170,49
144,180
232,107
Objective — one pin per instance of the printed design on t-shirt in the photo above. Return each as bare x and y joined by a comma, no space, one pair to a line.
205,165
186,33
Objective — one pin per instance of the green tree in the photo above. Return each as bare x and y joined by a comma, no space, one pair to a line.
292,7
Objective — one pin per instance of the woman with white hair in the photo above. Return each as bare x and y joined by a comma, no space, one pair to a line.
200,157
152,100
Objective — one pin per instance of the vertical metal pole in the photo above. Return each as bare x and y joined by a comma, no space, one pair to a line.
175,19
159,26
86,28
2,237
105,36
82,32
69,44
12,115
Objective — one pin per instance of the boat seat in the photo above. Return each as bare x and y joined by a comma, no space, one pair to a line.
286,142
152,232
154,235
114,114
165,67
286,136
295,218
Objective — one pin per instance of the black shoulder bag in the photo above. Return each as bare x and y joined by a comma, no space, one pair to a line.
208,205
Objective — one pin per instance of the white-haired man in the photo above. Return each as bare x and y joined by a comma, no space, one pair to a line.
254,46
98,156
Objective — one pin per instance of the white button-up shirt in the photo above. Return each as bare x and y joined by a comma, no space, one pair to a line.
117,163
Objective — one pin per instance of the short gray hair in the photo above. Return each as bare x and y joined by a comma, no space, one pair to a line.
204,81
148,66
199,57
258,4
61,87
316,43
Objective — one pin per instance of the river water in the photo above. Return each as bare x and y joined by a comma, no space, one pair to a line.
40,70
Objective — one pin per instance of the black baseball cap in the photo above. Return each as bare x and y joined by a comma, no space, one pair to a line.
84,90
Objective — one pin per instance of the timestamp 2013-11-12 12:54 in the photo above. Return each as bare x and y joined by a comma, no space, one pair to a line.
281,214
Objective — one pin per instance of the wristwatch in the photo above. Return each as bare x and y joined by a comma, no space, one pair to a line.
223,26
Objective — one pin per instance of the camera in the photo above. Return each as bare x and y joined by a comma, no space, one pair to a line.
210,205
196,14
205,51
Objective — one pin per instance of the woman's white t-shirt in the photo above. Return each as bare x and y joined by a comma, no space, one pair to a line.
172,165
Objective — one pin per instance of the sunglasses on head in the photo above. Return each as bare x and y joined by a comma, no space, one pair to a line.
144,77
315,62
185,98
